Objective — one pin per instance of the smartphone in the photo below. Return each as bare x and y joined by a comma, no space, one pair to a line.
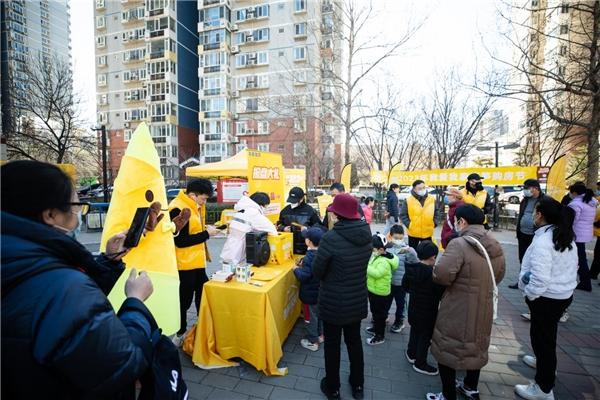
137,227
221,227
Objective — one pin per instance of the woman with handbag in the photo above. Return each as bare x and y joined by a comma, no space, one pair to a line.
548,278
470,269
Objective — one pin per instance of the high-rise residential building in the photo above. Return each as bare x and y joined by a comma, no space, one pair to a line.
146,70
29,29
266,73
552,41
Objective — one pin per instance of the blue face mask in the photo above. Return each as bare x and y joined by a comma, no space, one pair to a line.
446,200
75,231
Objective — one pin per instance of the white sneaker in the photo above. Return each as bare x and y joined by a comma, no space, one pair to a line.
526,316
178,340
530,361
533,392
435,396
564,317
308,345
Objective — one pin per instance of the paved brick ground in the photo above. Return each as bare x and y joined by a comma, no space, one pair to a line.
389,376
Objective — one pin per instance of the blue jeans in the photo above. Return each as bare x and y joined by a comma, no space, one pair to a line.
389,222
314,329
399,296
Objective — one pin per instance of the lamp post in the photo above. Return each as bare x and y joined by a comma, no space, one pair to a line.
102,130
497,148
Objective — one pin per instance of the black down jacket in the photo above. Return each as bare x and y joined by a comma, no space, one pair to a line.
341,264
424,297
61,338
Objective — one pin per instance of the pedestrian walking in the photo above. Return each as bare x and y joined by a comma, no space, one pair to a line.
392,210
341,265
453,200
547,279
190,247
419,214
461,336
584,204
61,338
309,289
367,208
532,194
422,306
379,283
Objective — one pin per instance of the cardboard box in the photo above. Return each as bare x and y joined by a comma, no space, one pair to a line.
282,248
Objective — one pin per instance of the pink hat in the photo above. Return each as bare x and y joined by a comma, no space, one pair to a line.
345,206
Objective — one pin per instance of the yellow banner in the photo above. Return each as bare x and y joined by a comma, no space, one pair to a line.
557,183
378,176
265,174
458,176
294,177
324,201
346,177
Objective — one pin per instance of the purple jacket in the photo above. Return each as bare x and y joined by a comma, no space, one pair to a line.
584,218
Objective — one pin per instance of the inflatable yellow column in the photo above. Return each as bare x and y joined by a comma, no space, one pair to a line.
138,184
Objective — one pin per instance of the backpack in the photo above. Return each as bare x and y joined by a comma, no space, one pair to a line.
163,379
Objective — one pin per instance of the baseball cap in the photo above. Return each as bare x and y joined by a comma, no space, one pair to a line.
474,176
296,194
313,234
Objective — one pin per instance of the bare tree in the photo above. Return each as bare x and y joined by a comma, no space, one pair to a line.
556,72
451,117
45,123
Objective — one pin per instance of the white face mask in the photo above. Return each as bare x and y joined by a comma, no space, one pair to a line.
457,228
421,192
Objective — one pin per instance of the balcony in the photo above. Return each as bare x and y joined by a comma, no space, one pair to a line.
213,92
157,12
327,8
213,68
155,34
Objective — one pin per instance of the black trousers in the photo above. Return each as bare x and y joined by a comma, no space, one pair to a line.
191,283
418,344
545,314
524,242
448,377
380,306
595,269
398,295
583,271
333,341
414,242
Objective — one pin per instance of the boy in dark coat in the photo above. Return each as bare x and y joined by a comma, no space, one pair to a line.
422,306
309,289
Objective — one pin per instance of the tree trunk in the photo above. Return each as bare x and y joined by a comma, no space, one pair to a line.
593,149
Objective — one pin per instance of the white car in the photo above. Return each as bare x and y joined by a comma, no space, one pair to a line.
405,193
511,197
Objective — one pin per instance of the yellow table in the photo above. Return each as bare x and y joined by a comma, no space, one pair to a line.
240,320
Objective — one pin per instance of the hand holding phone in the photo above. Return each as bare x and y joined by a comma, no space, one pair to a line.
137,227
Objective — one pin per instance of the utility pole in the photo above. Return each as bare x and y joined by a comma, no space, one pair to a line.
102,130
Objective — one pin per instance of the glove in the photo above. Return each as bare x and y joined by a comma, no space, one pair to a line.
182,219
154,216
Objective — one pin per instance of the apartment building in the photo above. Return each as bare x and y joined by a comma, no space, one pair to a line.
553,36
146,70
266,81
29,29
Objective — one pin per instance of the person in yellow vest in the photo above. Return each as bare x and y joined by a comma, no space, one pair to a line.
595,268
418,213
190,247
474,193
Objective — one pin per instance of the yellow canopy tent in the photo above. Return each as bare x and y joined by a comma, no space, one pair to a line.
235,166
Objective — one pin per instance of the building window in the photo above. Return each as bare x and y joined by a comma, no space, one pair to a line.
300,53
300,77
281,148
281,30
101,79
564,29
300,29
262,147
99,4
102,61
241,146
299,149
563,50
564,8
299,5
100,22
561,70
263,128
100,41
299,124
534,3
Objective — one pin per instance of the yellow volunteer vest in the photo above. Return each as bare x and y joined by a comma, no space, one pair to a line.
478,199
194,256
421,217
597,230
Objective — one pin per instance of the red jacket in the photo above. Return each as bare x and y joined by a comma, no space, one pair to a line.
368,211
448,227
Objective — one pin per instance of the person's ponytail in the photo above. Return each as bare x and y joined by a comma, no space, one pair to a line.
580,189
563,234
589,195
562,218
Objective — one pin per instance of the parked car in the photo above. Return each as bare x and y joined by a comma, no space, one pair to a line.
405,193
512,197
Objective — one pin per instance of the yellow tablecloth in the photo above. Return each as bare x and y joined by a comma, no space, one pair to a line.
240,320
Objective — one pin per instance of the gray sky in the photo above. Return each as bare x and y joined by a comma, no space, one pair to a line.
450,37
